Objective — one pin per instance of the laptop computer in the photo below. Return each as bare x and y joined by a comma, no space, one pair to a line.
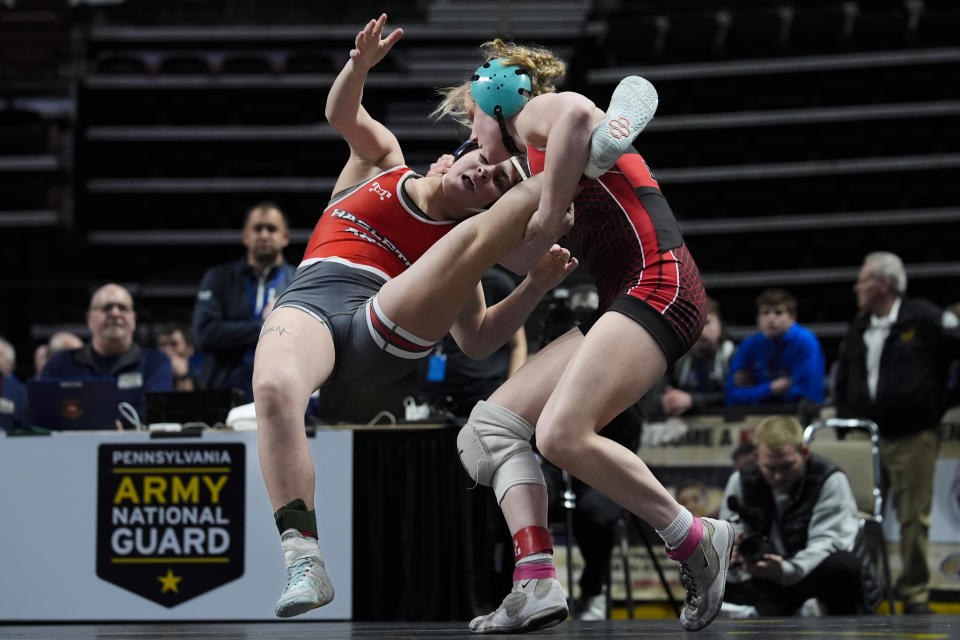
209,407
67,404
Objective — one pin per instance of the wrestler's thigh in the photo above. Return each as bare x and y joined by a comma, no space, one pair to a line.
527,390
296,347
615,365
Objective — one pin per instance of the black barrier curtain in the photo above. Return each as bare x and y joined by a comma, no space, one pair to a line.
426,546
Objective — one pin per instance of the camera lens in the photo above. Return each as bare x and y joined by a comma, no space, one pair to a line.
751,548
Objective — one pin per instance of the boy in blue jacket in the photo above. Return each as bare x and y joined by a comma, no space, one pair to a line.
780,363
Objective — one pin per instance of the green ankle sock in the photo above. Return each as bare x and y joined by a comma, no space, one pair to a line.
295,515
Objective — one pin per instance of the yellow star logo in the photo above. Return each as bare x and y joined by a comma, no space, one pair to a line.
170,582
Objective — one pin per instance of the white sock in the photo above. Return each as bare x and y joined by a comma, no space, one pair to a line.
676,532
541,558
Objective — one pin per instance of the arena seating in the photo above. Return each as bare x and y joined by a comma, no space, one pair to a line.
37,116
789,160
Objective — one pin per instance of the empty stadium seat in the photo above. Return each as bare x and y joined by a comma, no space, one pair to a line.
757,31
187,63
24,132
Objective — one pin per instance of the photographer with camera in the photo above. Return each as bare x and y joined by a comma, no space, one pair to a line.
796,522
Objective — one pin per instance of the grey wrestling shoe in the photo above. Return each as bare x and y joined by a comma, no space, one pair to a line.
536,603
632,106
308,586
704,574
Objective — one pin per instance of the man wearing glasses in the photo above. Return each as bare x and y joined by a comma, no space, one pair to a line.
112,353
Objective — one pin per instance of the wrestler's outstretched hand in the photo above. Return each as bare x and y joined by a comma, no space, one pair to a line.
555,265
370,47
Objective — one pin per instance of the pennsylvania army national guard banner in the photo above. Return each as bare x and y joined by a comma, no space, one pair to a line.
170,518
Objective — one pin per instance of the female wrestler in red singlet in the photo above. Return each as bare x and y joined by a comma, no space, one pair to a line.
393,265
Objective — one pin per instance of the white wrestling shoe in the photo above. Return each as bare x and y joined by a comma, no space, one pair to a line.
632,106
593,608
308,586
536,603
704,574
731,611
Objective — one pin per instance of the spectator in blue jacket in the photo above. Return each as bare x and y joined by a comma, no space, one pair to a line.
780,363
112,353
13,393
235,298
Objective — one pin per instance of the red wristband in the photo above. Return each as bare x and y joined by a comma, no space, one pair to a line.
531,540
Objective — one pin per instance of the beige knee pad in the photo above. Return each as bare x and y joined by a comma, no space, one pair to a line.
494,447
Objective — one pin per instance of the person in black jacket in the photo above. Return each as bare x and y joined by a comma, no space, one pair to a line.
892,369
797,525
234,298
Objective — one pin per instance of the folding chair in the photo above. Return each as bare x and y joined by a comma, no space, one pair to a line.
860,459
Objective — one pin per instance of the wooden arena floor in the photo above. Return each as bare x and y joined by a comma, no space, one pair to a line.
930,627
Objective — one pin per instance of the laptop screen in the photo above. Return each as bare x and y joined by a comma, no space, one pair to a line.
208,407
65,404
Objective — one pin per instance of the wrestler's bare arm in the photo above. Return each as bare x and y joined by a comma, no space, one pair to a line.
481,330
567,120
373,147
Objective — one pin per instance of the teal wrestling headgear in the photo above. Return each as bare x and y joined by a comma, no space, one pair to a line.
498,86
501,90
